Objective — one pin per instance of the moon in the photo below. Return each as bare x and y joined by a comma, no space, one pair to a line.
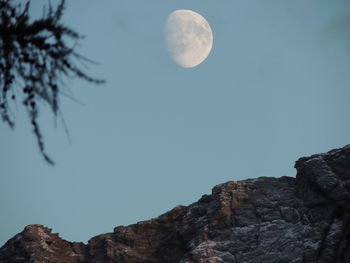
188,37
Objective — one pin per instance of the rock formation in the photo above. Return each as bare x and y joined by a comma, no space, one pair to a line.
302,219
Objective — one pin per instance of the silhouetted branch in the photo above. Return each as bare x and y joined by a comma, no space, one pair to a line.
36,55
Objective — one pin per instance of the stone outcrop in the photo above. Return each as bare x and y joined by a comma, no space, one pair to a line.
302,219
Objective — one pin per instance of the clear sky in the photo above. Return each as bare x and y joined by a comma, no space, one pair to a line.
274,88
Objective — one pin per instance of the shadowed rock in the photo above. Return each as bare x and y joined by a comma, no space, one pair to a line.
302,219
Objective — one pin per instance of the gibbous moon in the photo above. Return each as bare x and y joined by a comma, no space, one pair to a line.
189,37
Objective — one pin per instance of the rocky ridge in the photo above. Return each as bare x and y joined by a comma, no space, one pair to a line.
302,219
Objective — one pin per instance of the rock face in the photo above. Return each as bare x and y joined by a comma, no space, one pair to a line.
302,219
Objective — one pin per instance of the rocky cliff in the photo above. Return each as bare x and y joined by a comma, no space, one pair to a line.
302,219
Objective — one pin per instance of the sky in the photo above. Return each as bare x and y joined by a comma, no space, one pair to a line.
274,88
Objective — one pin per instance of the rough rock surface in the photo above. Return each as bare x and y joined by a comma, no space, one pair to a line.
302,219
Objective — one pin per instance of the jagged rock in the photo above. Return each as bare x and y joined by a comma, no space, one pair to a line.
36,243
302,219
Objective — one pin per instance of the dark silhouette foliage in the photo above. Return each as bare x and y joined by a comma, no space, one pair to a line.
34,57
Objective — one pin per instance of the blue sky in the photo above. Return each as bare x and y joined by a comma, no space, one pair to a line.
274,88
